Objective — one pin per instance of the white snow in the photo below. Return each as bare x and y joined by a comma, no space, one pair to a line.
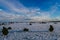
39,32
34,26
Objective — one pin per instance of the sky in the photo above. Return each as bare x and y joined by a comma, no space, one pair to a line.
29,10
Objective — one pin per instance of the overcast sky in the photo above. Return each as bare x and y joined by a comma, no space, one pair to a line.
32,10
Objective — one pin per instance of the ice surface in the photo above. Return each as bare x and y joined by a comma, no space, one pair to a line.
34,35
33,27
37,31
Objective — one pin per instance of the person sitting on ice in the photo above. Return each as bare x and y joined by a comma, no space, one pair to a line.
5,31
51,29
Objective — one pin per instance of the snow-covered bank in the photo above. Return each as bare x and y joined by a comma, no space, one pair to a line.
34,26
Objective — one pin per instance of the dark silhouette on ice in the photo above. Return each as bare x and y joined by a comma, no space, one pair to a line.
25,29
51,28
30,23
9,28
5,31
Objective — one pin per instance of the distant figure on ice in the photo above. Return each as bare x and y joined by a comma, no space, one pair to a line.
25,29
51,28
5,31
9,28
30,23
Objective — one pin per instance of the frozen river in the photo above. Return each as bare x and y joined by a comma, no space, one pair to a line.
37,31
35,35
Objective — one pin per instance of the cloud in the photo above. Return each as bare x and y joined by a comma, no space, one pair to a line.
46,15
0,9
58,18
18,12
8,16
42,17
54,8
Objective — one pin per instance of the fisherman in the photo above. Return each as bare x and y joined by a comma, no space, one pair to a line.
5,31
51,29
